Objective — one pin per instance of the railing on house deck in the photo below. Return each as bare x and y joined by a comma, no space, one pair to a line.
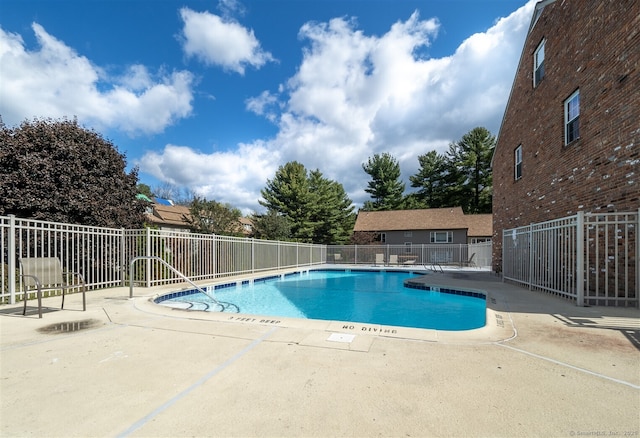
590,258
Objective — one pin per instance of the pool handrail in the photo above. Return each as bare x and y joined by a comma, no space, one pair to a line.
180,274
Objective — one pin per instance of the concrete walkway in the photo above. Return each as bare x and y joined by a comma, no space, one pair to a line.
541,367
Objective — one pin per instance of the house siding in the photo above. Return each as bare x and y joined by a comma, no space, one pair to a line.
591,46
419,237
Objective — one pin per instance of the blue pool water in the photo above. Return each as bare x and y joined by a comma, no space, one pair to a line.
357,296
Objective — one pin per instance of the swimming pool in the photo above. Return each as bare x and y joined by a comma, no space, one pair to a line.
375,297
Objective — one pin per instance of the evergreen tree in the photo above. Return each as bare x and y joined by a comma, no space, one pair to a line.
288,194
58,171
385,186
332,213
470,167
461,177
431,180
318,209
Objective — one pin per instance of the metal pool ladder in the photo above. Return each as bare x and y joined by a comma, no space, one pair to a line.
223,305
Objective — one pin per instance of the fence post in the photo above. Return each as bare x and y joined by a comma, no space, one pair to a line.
637,256
11,262
531,261
148,254
580,258
214,237
253,255
123,269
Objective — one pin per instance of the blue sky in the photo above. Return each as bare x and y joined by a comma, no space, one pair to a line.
214,96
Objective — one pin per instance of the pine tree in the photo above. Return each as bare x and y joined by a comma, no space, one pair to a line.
385,186
431,180
470,166
317,209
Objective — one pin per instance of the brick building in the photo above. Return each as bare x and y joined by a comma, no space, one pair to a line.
570,136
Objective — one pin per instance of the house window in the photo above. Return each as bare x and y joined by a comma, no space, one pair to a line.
407,247
538,64
441,237
572,118
408,234
518,162
383,237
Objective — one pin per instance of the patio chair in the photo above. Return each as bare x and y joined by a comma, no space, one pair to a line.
379,259
46,274
393,259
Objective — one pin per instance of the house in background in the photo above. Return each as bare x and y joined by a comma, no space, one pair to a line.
570,137
246,226
424,226
480,228
168,217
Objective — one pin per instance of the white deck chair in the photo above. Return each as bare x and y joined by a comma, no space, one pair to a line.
379,259
393,259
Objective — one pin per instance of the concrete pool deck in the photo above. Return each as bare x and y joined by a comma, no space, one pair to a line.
541,367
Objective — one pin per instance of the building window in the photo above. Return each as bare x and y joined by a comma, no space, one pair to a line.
383,237
538,64
518,162
441,237
408,234
407,247
572,118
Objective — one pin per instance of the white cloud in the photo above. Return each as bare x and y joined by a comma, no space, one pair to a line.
54,81
221,41
356,95
230,177
264,105
230,8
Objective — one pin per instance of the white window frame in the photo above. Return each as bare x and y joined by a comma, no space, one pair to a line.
572,118
408,234
517,159
383,237
538,64
436,236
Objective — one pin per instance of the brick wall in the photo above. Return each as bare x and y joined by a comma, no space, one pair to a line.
593,46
